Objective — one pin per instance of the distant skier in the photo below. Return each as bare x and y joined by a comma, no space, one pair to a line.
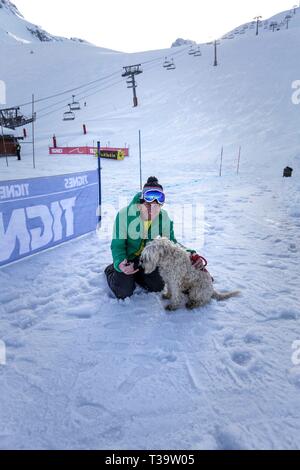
142,221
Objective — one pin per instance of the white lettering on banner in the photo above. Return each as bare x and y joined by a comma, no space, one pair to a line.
56,211
76,182
67,205
57,150
14,191
51,228
16,232
42,235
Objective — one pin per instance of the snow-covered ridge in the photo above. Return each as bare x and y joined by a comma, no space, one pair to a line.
15,29
9,6
183,42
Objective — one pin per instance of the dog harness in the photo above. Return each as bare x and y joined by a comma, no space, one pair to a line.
195,257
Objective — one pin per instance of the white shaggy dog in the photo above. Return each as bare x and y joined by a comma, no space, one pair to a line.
179,275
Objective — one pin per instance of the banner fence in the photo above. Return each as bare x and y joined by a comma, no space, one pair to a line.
40,213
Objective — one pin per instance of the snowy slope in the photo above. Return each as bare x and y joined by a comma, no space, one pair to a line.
191,111
87,371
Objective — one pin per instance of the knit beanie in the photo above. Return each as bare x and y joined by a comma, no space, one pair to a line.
152,183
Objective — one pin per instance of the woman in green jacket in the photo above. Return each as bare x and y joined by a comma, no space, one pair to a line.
135,225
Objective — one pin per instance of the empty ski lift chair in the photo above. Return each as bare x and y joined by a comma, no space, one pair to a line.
130,83
198,52
171,66
166,63
69,115
192,50
75,105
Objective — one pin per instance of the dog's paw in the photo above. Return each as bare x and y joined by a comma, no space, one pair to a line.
191,305
171,308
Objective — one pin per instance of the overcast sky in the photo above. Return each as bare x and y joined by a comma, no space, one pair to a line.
140,25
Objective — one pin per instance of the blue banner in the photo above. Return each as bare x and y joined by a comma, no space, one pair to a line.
40,213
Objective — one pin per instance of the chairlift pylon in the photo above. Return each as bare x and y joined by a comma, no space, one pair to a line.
75,105
69,115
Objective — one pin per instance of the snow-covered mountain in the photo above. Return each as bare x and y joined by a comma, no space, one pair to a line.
191,111
14,28
10,7
183,42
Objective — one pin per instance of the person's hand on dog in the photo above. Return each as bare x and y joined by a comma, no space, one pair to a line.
197,261
127,267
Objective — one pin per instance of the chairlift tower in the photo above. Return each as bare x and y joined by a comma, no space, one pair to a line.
131,71
287,19
273,25
216,43
257,18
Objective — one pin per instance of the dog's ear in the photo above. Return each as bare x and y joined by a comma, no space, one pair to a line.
163,246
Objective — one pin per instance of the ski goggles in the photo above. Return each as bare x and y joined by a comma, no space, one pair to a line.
154,195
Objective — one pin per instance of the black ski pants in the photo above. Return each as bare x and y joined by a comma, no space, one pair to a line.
123,285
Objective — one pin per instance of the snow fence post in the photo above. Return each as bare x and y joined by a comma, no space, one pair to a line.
2,353
221,162
140,157
99,180
239,159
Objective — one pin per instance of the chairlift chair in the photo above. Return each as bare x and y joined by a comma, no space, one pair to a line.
166,63
198,53
192,50
75,105
172,66
69,115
